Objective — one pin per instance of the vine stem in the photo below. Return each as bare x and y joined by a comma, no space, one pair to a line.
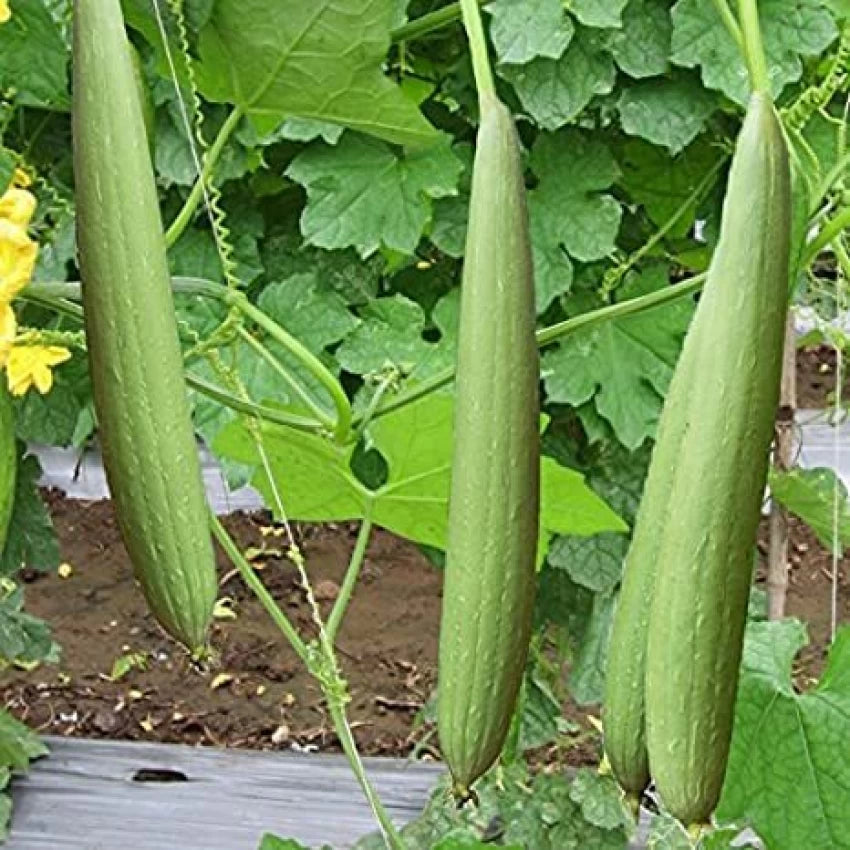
754,46
478,47
355,564
250,577
730,22
211,158
289,379
828,234
349,746
551,334
308,359
429,23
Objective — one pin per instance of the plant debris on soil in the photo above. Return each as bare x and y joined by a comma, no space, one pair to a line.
121,677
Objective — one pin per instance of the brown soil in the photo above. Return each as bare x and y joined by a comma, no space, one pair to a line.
816,377
257,694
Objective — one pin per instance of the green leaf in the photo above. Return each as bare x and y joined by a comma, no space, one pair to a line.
788,772
23,637
599,13
19,745
304,66
31,541
587,674
811,495
555,91
670,112
272,842
416,442
625,365
364,194
642,47
34,56
593,562
600,799
354,280
523,30
662,184
310,310
306,130
791,29
569,211
391,333
666,833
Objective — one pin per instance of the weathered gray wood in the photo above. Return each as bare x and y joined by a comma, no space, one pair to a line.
83,797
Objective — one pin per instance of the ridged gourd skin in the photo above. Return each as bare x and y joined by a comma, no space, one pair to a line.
8,462
716,476
149,447
490,575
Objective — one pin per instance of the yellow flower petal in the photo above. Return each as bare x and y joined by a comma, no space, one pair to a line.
20,178
30,365
8,329
17,206
17,259
5,11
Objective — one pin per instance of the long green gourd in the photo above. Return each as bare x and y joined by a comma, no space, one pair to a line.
8,461
689,570
699,609
490,576
136,364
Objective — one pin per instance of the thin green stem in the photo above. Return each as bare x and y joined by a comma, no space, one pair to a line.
184,217
289,379
429,23
754,46
835,174
478,47
251,408
546,336
349,747
828,233
730,22
250,577
305,356
71,289
374,404
351,575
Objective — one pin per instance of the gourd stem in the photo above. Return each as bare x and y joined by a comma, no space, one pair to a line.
754,46
190,206
288,378
358,556
307,358
478,47
349,746
546,336
250,577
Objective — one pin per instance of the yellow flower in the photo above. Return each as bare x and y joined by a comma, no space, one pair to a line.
5,11
8,329
30,365
17,259
17,206
20,178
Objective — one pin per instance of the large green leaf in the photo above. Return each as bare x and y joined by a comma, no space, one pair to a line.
812,494
416,442
792,29
34,56
321,60
789,767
